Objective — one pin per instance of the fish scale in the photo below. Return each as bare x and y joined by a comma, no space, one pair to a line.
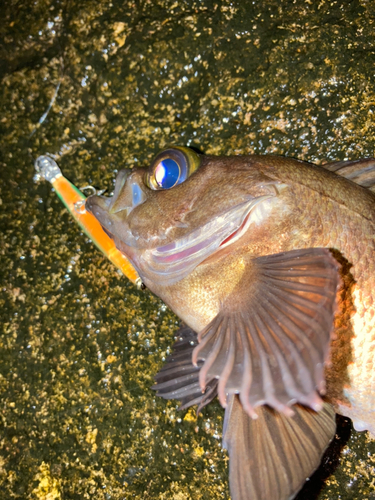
356,399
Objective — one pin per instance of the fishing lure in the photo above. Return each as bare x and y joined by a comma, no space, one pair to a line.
74,201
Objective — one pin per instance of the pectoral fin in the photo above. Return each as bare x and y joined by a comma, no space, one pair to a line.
271,457
271,339
179,378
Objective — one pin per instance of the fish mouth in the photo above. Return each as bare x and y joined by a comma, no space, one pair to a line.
172,262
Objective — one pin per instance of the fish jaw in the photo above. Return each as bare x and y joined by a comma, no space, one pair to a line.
172,262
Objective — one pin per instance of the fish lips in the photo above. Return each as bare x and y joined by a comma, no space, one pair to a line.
99,207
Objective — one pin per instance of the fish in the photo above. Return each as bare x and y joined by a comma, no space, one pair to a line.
269,263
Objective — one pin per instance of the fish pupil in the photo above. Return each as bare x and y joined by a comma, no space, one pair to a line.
167,173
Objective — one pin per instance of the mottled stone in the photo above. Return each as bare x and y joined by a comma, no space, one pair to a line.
79,345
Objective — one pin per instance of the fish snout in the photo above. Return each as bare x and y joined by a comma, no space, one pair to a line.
130,191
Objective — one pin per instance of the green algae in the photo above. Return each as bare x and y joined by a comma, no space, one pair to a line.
79,344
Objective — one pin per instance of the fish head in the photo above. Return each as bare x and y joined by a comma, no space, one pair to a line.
169,218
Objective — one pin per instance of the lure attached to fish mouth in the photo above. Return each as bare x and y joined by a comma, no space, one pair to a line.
233,247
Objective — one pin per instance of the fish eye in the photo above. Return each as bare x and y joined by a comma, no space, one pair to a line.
167,173
172,167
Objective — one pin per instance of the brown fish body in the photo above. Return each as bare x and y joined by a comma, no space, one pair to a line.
254,282
316,209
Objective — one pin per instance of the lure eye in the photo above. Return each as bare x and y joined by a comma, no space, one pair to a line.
172,167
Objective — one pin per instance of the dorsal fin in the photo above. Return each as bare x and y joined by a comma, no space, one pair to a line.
362,171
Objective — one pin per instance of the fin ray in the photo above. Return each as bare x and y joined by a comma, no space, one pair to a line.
179,378
280,330
271,457
361,171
